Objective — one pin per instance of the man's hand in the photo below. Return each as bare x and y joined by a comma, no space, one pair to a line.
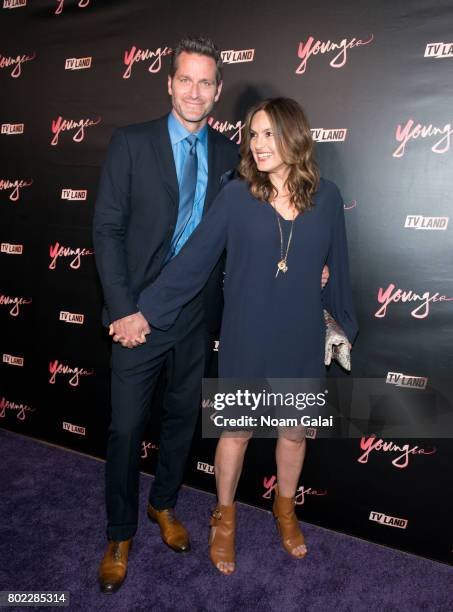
324,276
130,331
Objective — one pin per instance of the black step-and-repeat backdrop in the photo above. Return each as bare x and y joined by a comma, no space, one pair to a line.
376,81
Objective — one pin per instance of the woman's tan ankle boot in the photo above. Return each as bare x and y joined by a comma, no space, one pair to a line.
287,524
221,539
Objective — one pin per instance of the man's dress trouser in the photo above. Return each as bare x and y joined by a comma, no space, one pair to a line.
134,375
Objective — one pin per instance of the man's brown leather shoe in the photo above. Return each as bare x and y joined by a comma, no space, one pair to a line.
173,533
113,568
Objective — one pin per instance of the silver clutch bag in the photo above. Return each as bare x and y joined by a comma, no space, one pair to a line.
337,343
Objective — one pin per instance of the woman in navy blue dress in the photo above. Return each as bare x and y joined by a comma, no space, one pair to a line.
280,223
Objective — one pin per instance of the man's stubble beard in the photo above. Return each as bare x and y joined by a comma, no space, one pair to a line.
181,113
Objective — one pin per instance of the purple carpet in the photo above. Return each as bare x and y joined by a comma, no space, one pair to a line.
53,537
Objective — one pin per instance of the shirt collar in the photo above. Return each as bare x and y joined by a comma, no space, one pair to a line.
178,132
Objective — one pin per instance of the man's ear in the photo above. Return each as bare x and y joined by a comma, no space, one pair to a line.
170,90
219,89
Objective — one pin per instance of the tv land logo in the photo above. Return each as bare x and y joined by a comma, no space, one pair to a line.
57,250
60,5
15,303
21,410
207,468
412,131
12,4
439,50
390,521
311,47
135,54
11,249
15,187
77,429
311,432
13,360
271,483
147,447
74,195
237,57
329,135
74,374
394,295
16,63
401,461
78,63
71,317
404,380
232,130
419,222
66,125
12,129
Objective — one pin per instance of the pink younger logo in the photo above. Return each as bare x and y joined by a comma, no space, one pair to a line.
6,61
65,125
15,186
312,47
146,448
60,5
350,205
271,483
56,368
232,130
390,295
57,251
401,461
21,410
15,302
410,131
135,55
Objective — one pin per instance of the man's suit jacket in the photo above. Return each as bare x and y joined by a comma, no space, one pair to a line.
136,212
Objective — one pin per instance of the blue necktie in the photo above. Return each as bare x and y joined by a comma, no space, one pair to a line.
187,190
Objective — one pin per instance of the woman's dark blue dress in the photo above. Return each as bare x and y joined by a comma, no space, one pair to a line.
272,326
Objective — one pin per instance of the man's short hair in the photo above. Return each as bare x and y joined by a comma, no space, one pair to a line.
200,45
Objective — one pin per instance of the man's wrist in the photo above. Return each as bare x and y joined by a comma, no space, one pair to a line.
126,317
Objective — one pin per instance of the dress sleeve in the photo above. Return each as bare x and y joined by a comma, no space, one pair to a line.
186,274
337,294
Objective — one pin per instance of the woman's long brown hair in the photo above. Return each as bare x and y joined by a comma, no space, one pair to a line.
295,145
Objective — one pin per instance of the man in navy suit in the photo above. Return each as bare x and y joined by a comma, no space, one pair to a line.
157,182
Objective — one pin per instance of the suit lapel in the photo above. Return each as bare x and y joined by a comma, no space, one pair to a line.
164,154
213,169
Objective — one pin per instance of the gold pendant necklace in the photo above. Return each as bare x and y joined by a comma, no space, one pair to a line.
282,265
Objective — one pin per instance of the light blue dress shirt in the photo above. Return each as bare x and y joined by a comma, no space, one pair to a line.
180,147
